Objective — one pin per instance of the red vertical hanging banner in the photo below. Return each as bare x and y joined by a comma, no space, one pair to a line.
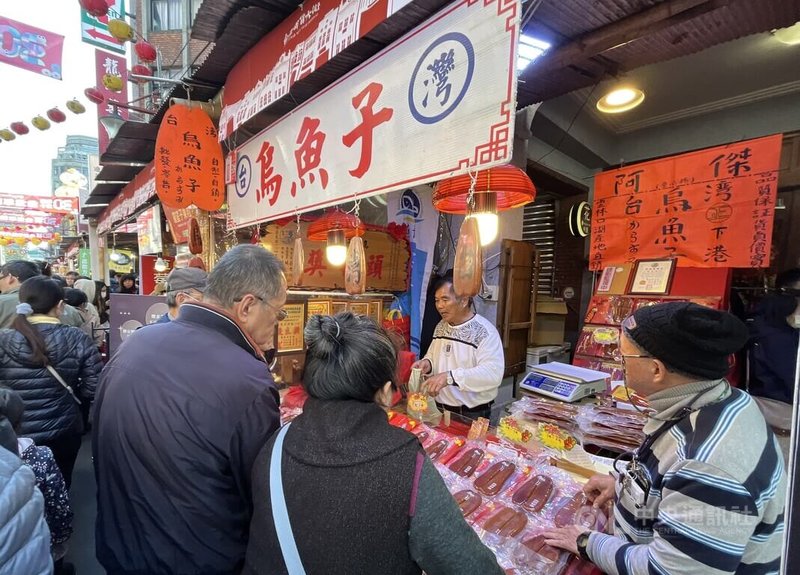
709,208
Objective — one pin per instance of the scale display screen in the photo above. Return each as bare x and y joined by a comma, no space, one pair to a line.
549,385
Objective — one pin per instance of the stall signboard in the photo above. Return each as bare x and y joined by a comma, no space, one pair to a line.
149,276
388,257
436,103
85,262
132,197
148,230
110,65
311,36
95,30
50,205
27,218
290,330
128,312
710,208
30,48
180,222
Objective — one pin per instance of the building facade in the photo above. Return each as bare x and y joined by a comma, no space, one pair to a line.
75,154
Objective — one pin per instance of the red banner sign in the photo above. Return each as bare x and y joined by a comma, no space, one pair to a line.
39,203
110,65
30,48
180,221
710,208
131,198
302,43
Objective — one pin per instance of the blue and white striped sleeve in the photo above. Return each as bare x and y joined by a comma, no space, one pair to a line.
705,520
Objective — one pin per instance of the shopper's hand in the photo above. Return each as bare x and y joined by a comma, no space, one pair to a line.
423,364
434,384
565,538
600,490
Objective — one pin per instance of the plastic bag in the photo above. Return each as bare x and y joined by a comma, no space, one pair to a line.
420,405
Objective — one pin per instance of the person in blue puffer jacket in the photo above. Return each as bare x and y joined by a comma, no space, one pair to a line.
24,537
38,351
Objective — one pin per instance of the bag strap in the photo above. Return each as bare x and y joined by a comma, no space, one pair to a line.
60,380
412,507
280,515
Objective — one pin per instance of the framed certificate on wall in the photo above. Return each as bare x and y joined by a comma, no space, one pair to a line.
319,307
652,277
290,330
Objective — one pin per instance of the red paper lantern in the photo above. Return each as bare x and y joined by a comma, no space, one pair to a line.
140,70
510,185
335,220
20,128
146,51
97,8
56,115
95,96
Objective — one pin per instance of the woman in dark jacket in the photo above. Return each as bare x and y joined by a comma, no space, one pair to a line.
349,478
127,284
36,348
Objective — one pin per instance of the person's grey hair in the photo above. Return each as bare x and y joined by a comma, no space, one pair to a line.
245,269
172,298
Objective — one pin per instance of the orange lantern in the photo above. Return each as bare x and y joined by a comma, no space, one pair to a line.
20,241
496,189
36,241
187,139
4,241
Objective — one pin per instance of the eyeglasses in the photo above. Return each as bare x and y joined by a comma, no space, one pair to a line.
280,313
621,357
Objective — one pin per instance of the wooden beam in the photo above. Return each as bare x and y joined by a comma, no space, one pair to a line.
628,29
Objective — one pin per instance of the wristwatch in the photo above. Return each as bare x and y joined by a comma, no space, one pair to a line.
583,542
450,380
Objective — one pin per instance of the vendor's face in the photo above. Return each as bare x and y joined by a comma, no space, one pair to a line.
128,283
449,306
644,375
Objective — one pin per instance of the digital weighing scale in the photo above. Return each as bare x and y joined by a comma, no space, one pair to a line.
564,382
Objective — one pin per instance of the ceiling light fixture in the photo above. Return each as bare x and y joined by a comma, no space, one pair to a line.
789,36
528,50
620,99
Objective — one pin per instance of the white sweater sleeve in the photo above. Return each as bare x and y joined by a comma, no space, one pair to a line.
488,373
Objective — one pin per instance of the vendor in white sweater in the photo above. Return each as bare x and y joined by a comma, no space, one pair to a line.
465,361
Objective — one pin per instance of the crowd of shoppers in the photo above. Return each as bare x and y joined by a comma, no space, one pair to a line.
194,475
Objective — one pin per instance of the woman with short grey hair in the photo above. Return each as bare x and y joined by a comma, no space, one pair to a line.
353,493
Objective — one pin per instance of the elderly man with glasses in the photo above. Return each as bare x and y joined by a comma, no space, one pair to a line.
181,411
12,275
705,491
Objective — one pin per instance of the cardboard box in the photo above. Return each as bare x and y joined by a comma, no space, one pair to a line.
551,315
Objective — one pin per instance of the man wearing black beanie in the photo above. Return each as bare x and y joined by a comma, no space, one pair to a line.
705,492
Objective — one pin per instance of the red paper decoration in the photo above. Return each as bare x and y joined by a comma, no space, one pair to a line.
335,220
95,96
146,51
511,185
96,8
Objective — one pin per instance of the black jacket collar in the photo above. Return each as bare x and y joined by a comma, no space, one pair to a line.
218,320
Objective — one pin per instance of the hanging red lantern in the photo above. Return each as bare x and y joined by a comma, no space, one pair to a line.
141,70
20,128
496,189
56,115
94,95
335,228
96,8
146,51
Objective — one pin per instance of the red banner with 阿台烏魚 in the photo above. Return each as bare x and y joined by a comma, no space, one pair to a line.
709,208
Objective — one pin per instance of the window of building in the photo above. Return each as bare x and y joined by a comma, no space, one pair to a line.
539,227
166,15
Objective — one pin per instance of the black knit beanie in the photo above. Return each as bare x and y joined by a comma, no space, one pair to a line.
689,338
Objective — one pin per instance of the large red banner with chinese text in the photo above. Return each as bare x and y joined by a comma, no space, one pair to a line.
30,48
709,208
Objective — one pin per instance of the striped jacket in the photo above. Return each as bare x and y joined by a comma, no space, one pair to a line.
717,492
